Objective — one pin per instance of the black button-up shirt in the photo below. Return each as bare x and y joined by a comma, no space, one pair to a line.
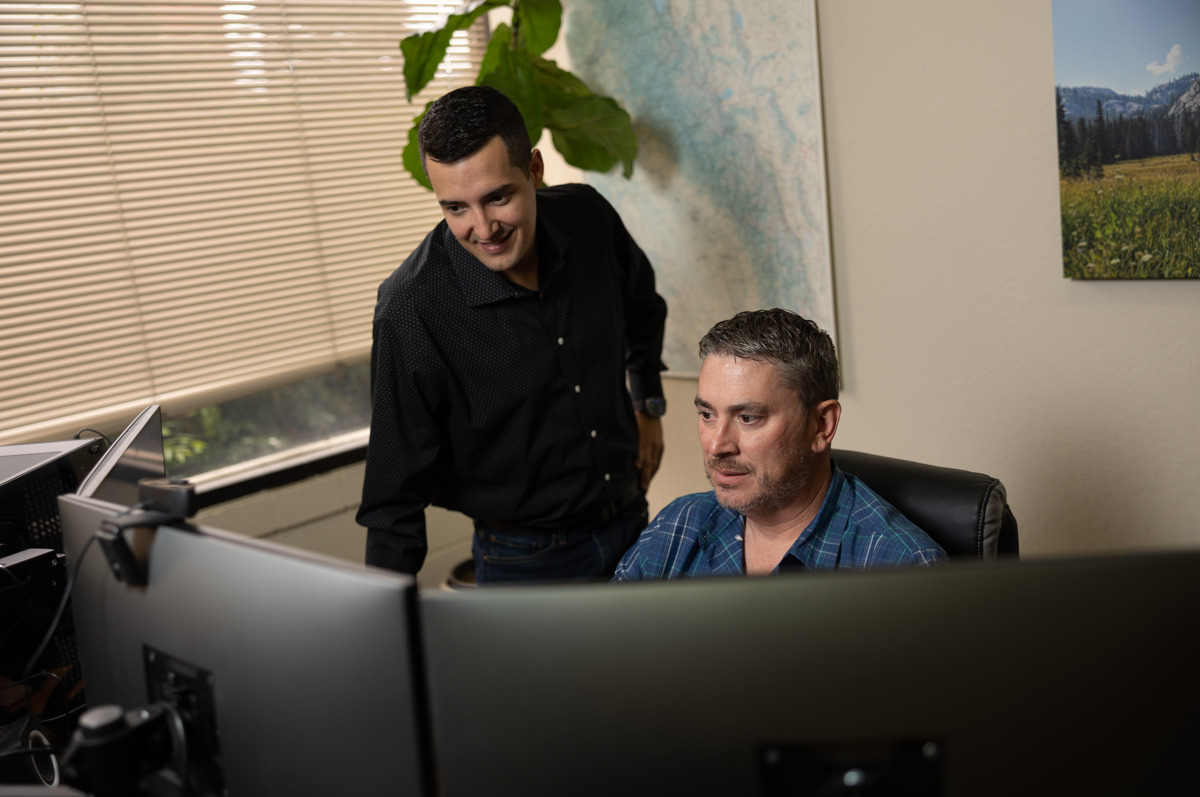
503,403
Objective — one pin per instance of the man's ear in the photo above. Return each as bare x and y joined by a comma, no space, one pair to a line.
827,415
537,168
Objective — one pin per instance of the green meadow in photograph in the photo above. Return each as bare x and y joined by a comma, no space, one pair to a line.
1138,219
1128,137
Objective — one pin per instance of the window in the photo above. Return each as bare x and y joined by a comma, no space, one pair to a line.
315,415
200,199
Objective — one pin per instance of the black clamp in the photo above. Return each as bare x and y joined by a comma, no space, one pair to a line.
162,502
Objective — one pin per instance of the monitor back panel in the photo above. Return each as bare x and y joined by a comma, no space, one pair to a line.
1046,678
311,658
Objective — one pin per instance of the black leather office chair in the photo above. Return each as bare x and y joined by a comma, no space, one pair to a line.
966,513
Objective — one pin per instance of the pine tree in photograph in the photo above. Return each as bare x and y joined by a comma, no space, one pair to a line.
1068,143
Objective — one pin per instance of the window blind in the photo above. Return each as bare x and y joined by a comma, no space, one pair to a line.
199,199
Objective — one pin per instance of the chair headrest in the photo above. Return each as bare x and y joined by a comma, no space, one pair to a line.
966,513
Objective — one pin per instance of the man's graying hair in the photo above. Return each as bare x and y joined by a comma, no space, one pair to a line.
803,351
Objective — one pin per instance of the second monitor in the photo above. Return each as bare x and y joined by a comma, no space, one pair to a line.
1071,677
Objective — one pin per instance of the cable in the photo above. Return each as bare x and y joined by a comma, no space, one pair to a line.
28,605
29,696
62,605
64,714
81,431
30,678
46,750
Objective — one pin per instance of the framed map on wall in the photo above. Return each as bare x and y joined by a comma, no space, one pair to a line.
1128,118
728,197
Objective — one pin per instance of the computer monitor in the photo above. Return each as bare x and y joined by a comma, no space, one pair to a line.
296,670
1054,677
136,454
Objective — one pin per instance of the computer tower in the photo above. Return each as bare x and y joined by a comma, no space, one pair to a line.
32,476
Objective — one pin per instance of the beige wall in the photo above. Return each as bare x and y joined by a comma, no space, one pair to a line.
317,514
961,343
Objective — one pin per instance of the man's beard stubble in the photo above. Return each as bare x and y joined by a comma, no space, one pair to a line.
773,493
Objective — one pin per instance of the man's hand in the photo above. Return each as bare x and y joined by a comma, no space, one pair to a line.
650,447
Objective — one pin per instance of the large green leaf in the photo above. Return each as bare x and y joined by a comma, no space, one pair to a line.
424,51
559,87
412,152
593,133
499,43
512,74
581,152
539,21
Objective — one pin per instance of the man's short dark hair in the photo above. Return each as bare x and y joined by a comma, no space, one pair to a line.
460,123
802,350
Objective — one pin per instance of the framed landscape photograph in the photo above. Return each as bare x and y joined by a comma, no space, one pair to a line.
1127,93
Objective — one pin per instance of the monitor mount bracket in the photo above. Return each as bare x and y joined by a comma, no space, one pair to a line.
126,538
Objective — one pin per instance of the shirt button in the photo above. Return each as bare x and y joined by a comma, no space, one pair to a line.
578,388
593,433
607,477
560,341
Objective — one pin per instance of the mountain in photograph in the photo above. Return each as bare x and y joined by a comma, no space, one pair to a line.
1187,105
1080,101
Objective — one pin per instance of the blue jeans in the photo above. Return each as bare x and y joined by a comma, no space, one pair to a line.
507,556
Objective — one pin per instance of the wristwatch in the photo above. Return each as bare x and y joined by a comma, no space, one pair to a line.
655,406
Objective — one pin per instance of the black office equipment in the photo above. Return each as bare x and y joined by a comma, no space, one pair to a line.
26,733
31,583
295,673
126,753
32,476
1045,678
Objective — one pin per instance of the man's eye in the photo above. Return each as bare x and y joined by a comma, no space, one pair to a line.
747,418
455,209
499,199
706,415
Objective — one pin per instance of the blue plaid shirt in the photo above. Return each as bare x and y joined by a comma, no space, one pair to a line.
696,536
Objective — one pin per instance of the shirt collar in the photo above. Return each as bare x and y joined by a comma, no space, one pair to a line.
822,538
482,286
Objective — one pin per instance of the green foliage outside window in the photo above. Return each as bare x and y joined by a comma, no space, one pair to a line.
591,132
263,423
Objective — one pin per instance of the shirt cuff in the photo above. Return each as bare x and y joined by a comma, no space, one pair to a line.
645,384
392,552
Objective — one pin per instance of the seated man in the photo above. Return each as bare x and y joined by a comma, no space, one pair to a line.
768,409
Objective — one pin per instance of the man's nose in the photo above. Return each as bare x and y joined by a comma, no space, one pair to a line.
723,441
482,224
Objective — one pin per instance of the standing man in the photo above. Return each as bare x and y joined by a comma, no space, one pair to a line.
767,413
498,371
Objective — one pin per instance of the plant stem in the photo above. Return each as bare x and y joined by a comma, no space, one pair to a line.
516,23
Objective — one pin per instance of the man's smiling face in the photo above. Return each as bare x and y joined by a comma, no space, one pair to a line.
491,207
